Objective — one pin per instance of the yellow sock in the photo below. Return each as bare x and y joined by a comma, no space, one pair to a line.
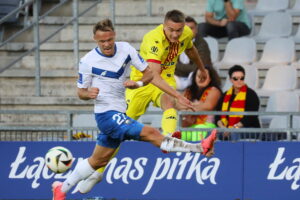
101,170
169,121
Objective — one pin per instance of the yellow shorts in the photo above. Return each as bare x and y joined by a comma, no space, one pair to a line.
139,99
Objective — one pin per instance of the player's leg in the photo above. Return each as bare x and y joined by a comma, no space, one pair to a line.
138,101
169,118
84,169
171,144
86,185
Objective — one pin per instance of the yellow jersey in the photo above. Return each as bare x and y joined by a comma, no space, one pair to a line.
156,48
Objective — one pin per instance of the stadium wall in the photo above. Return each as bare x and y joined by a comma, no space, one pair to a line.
241,170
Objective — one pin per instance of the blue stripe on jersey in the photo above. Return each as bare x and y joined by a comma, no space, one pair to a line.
110,74
79,78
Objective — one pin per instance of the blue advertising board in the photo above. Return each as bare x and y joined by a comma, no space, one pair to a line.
141,171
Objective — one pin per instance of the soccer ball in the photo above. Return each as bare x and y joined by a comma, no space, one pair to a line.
59,159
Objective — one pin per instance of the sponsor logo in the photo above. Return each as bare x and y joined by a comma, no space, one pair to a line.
185,166
280,169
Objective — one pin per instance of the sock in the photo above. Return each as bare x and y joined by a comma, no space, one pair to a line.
169,121
87,185
81,171
171,144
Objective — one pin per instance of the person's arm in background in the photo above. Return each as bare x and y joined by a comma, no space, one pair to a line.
209,18
231,12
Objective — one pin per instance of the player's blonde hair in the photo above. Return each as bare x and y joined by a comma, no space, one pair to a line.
103,25
176,16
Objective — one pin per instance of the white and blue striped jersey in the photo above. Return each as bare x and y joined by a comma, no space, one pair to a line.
108,74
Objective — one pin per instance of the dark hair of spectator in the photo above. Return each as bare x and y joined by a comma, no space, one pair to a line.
103,25
190,19
215,81
236,68
175,16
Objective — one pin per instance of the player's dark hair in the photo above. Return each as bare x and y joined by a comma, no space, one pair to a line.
236,68
104,25
190,19
175,16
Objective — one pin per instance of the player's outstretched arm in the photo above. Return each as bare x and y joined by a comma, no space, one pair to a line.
159,82
87,93
193,54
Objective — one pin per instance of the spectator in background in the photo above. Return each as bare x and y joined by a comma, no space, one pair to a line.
205,96
226,18
185,67
238,98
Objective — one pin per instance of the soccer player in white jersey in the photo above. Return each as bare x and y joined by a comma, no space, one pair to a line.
102,77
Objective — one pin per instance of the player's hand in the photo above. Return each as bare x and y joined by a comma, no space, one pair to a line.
203,76
185,102
93,92
131,84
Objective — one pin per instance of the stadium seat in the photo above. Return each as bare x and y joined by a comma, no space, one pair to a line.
277,51
6,6
281,122
214,48
238,51
296,37
269,29
251,78
282,101
295,10
279,78
264,7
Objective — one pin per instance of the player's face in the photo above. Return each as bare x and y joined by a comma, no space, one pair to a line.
106,41
173,30
237,79
192,26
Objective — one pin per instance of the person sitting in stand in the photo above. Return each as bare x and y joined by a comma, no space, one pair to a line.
238,98
205,96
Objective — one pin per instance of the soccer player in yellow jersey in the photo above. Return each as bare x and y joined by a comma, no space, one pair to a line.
161,48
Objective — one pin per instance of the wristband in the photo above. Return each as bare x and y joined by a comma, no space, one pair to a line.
140,83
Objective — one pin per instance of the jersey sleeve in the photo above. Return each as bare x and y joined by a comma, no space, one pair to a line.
152,49
136,60
84,76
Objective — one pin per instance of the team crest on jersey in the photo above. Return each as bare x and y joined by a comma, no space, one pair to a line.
103,73
154,49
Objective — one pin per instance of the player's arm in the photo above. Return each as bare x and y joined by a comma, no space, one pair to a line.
87,93
145,80
159,82
193,54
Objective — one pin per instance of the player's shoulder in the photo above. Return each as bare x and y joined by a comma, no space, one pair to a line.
125,46
156,33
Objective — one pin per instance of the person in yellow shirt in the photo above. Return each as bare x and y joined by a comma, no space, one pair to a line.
161,48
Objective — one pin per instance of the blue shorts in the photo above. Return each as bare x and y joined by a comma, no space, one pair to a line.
116,127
